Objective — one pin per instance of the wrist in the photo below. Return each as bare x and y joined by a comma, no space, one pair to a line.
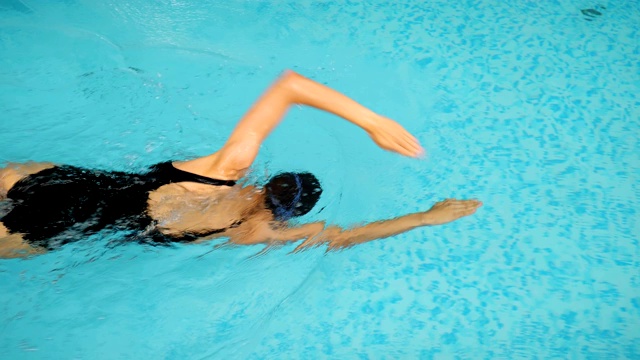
370,121
425,219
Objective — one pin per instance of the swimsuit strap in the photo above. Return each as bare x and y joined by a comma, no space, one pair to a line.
172,174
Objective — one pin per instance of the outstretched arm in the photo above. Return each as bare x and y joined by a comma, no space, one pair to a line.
315,234
243,145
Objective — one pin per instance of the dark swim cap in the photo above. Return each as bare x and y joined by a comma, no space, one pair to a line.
292,194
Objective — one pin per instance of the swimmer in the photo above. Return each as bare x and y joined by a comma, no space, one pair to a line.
196,200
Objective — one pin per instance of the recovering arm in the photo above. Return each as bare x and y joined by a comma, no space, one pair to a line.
243,145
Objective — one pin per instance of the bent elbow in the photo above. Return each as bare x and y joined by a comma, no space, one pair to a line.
289,75
292,83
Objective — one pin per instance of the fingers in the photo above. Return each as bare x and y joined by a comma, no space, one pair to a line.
405,146
401,143
394,137
446,201
467,209
410,143
413,144
460,204
414,147
455,201
466,203
402,150
467,212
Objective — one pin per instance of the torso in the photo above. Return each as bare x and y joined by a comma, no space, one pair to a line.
175,208
195,208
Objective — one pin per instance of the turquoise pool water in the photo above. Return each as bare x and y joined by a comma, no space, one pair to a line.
531,107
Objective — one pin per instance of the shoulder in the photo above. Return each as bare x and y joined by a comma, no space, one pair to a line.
15,172
211,166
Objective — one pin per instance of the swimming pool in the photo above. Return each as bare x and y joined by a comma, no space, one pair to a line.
530,107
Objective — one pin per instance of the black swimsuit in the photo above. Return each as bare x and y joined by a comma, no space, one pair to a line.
52,207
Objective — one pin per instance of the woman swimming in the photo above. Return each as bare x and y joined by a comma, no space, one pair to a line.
196,200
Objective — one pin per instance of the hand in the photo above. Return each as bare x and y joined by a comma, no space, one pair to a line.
449,210
391,136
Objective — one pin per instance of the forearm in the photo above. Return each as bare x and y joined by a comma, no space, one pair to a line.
304,91
376,230
386,133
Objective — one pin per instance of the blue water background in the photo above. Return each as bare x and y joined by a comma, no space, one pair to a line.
531,107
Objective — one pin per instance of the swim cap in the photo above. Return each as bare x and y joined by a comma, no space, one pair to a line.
292,194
